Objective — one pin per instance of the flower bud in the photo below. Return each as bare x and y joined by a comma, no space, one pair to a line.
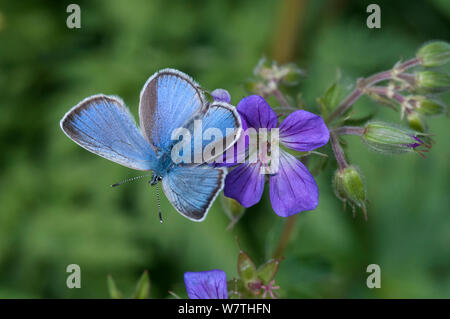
390,139
428,107
432,81
246,267
435,53
349,185
221,95
416,122
267,271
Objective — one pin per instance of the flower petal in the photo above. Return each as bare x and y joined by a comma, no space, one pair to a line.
245,184
211,284
303,131
257,112
221,95
292,189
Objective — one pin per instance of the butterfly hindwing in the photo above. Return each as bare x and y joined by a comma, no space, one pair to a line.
222,118
104,126
192,189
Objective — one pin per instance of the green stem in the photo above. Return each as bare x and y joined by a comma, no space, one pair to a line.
285,236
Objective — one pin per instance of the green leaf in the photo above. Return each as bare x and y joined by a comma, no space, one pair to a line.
114,293
143,287
332,97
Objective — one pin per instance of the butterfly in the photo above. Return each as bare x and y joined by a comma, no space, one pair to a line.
169,100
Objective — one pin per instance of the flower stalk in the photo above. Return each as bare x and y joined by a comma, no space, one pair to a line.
363,84
338,151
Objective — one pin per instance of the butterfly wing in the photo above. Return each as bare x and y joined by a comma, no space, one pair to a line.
169,100
223,119
104,126
192,189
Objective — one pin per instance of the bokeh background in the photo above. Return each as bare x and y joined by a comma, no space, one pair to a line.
56,206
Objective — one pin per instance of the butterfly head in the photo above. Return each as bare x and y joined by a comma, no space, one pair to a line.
155,179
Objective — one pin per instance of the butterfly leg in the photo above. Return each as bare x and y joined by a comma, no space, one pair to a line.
154,181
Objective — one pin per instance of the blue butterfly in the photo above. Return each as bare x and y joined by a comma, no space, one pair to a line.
169,100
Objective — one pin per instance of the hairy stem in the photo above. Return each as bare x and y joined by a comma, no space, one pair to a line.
338,151
349,130
363,84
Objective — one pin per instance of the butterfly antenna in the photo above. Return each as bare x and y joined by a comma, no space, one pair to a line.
128,180
159,204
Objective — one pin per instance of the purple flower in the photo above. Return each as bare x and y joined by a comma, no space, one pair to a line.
292,187
211,284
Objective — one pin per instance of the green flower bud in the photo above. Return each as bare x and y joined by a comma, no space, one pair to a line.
435,53
246,267
428,107
432,81
348,185
390,139
416,122
267,271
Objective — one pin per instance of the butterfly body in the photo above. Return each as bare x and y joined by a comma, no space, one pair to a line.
170,100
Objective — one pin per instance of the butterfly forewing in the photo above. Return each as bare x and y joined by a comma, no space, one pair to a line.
104,126
168,101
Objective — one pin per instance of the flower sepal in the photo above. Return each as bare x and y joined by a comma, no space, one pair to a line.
267,271
246,268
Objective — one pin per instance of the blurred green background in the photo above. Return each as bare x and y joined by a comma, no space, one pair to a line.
56,206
